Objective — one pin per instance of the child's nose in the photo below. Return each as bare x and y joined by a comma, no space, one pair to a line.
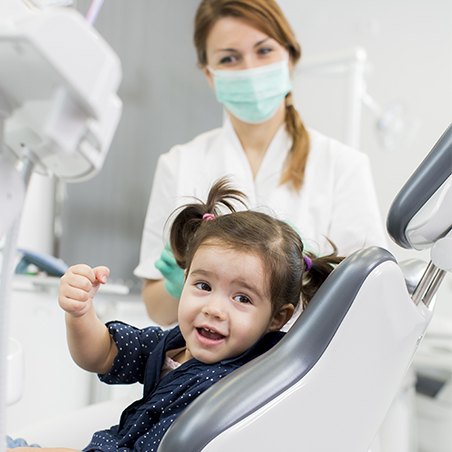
215,307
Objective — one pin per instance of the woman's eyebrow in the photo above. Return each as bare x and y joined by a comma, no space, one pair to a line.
261,41
227,49
232,49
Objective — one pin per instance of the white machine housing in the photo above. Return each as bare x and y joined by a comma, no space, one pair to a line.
58,86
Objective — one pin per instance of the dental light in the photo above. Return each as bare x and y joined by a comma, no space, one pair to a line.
58,114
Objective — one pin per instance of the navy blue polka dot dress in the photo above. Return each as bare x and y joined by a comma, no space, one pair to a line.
141,354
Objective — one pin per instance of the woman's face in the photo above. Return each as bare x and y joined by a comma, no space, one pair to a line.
234,44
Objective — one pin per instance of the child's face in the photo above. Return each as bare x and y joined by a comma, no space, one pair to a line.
225,306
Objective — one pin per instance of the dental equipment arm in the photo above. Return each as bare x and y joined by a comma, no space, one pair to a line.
58,114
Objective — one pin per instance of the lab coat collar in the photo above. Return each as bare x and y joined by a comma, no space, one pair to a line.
275,156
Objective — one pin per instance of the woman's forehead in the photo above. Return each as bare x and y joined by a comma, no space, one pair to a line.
234,33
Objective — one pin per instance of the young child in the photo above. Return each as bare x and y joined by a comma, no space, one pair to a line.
245,274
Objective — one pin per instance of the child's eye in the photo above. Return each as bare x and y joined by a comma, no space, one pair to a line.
203,286
242,299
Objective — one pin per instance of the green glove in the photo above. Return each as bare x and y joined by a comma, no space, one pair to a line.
173,274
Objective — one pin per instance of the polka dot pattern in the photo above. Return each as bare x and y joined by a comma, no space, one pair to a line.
140,358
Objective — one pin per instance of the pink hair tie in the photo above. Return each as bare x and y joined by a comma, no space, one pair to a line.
307,262
208,216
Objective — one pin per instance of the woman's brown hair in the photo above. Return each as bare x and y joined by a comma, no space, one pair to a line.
266,16
293,274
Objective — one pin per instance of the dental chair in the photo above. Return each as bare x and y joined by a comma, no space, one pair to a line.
329,383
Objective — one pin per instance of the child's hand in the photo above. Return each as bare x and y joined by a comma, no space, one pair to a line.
78,287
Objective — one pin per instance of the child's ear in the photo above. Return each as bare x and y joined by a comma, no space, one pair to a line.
281,317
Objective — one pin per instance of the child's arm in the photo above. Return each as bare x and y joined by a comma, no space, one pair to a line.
88,338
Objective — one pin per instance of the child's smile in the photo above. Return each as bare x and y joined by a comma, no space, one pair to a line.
209,335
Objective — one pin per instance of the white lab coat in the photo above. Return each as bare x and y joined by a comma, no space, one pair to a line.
337,200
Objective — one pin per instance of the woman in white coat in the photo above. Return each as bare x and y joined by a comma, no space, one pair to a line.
247,51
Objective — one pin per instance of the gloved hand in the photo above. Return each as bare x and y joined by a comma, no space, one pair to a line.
173,274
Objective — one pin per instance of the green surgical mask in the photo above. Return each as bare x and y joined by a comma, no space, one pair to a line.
253,95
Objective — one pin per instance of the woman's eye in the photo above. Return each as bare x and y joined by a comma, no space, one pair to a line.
229,59
265,50
203,286
242,299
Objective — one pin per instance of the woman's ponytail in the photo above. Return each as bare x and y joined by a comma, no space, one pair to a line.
296,164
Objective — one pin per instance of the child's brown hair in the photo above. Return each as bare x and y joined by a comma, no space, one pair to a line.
292,273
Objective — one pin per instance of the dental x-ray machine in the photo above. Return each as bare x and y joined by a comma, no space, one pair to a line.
58,114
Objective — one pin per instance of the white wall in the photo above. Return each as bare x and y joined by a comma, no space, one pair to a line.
409,48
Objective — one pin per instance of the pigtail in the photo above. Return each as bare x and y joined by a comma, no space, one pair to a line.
221,196
184,226
316,271
192,216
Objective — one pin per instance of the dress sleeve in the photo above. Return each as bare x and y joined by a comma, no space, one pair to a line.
162,203
134,347
356,220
